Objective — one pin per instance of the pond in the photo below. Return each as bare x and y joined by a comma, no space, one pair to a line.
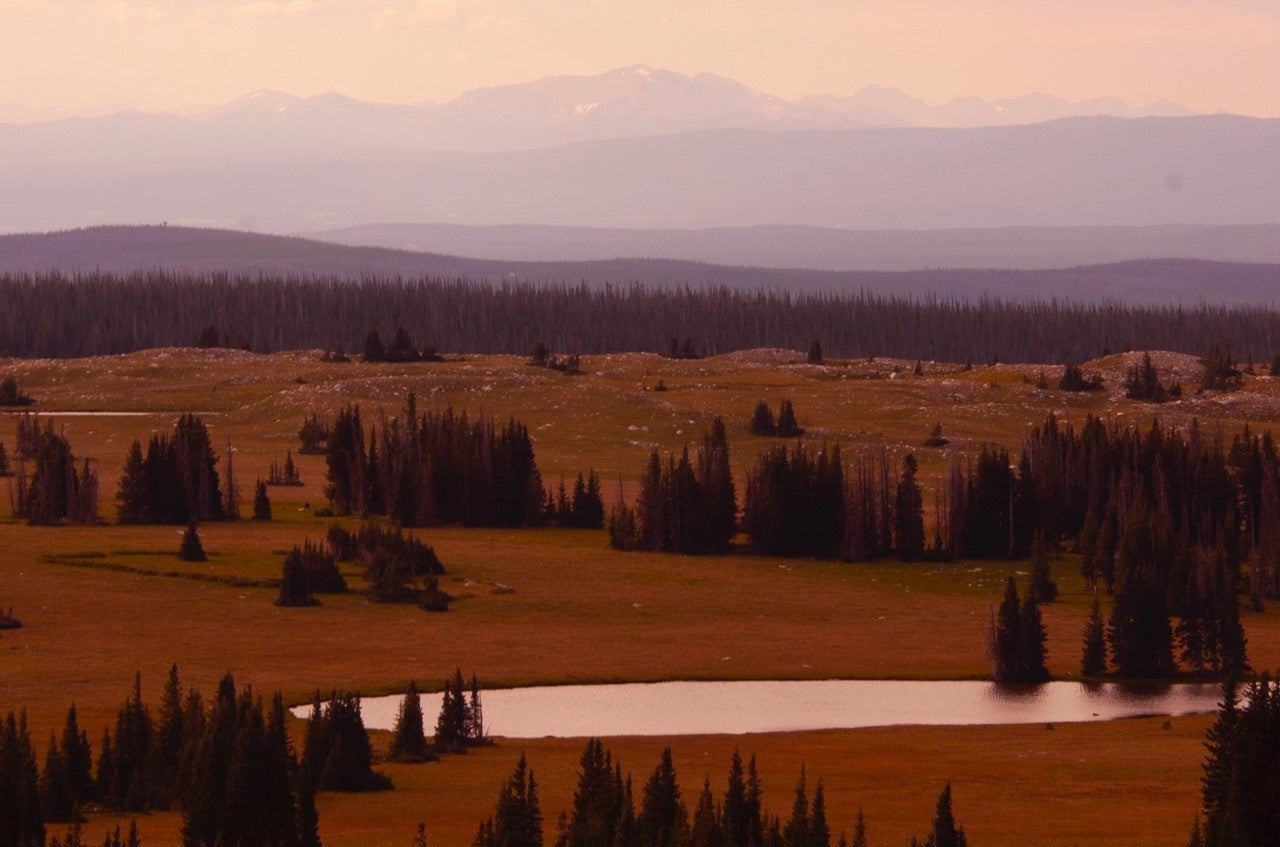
709,708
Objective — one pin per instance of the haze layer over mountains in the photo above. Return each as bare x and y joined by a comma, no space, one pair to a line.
657,175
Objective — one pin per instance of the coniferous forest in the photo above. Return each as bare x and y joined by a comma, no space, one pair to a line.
278,313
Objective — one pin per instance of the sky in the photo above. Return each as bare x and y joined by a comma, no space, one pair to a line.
74,56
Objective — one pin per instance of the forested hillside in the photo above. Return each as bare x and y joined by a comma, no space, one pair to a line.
54,316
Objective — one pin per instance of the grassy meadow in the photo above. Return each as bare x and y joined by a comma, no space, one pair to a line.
99,603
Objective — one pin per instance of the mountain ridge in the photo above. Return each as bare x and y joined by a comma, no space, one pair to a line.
140,249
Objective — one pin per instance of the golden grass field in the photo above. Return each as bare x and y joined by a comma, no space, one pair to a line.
582,612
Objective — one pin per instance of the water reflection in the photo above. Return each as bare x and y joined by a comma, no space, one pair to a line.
705,708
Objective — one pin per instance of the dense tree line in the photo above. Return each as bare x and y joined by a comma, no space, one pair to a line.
176,481
437,468
56,316
605,811
685,506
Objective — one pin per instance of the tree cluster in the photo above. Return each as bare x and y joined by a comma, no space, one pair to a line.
228,769
401,349
12,395
605,811
543,358
285,473
57,490
1142,382
437,468
177,480
399,567
1018,640
685,506
581,508
336,753
764,425
1221,370
1073,379
460,724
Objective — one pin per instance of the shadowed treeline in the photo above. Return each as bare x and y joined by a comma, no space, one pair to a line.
55,316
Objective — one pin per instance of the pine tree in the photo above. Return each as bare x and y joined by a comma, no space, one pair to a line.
762,423
796,831
662,821
517,821
1032,638
859,831
737,813
408,738
1007,641
295,582
191,550
945,832
261,502
707,827
132,495
308,817
819,830
908,514
1043,588
1093,663
787,425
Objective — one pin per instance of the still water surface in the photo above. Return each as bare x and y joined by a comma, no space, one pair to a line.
707,708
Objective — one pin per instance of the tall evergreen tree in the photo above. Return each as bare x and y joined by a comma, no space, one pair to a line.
409,737
663,821
1093,662
908,514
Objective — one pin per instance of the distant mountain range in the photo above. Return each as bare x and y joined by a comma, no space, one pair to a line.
632,101
829,249
1206,170
134,249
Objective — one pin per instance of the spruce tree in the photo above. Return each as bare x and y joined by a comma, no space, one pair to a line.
819,829
1043,588
408,738
796,831
295,583
1093,662
1032,638
663,821
787,425
908,514
132,494
261,502
1007,641
762,423
191,549
945,832
859,831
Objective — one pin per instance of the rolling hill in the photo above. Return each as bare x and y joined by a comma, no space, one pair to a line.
121,250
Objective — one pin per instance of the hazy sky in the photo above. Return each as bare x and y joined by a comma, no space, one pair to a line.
79,54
